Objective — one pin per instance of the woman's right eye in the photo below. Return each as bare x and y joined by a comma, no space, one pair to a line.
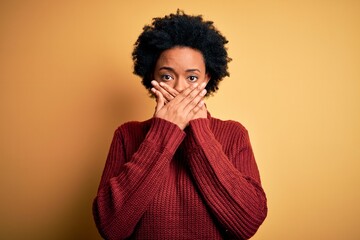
166,77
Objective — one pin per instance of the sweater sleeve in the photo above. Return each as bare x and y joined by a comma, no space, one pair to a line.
128,185
230,184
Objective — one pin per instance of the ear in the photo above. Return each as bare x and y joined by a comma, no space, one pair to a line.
207,78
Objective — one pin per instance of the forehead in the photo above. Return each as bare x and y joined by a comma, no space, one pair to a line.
181,57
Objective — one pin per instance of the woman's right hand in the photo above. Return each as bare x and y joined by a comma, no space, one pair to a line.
183,107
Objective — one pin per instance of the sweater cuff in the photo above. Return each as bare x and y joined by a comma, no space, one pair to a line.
200,133
165,134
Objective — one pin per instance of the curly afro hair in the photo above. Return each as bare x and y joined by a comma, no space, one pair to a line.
181,30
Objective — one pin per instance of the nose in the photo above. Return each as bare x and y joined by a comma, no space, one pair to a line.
180,84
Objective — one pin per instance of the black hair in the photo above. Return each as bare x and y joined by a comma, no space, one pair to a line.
181,30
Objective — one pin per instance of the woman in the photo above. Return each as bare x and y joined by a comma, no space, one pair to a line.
182,174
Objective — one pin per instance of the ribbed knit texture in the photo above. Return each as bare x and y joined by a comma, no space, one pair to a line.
160,182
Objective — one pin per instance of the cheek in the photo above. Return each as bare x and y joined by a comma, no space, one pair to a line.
169,83
203,79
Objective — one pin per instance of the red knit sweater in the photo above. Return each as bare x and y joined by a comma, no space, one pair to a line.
160,182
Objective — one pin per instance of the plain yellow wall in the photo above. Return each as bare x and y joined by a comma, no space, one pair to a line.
66,83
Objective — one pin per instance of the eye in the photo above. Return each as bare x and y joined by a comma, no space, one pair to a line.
193,78
166,77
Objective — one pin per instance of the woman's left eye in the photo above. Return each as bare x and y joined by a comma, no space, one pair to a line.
193,78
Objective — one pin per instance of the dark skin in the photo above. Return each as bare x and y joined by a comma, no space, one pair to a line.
179,86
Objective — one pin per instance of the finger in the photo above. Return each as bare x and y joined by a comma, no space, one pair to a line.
196,103
168,96
169,89
201,113
184,94
160,101
195,111
191,93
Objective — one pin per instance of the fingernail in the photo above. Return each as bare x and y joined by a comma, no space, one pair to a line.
201,103
203,84
203,92
153,82
195,85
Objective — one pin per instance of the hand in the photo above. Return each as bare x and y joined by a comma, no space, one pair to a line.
170,93
181,108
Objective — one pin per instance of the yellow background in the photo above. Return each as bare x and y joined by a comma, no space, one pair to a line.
66,83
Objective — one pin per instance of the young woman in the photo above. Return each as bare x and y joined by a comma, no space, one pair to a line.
182,174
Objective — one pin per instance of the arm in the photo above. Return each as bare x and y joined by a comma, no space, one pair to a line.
230,184
128,185
124,194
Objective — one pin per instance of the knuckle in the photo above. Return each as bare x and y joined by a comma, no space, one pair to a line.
195,109
184,93
193,104
193,94
187,91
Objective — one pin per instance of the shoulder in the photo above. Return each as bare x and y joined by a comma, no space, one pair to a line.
231,134
229,126
133,127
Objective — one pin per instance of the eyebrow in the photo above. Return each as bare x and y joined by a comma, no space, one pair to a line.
187,70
